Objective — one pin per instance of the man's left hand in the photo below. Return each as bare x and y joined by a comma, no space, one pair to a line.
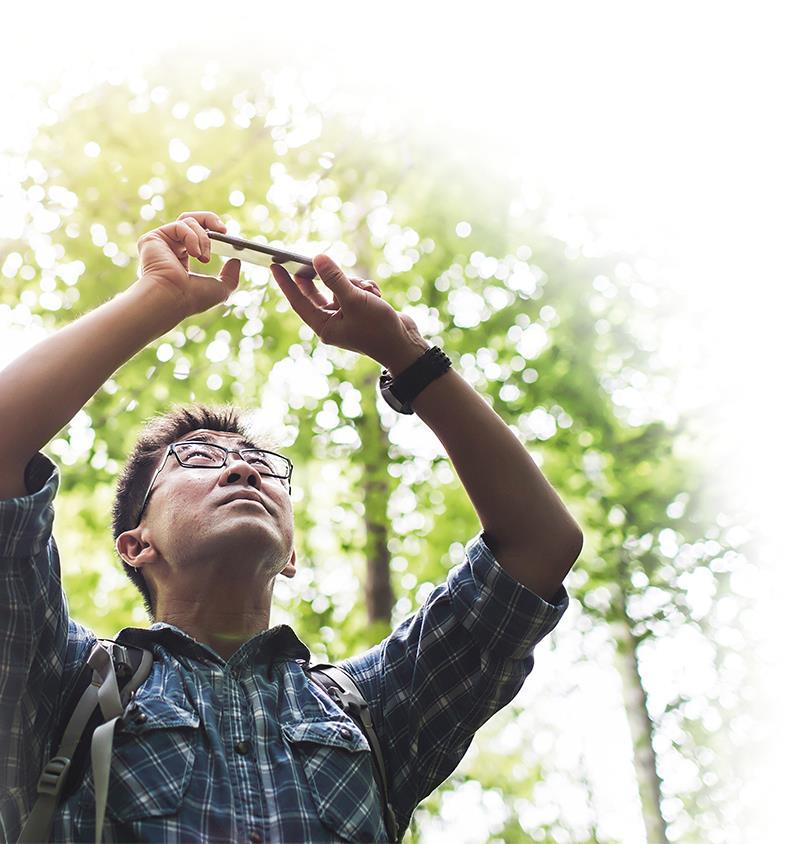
357,317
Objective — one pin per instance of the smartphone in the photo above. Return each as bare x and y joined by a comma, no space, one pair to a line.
259,253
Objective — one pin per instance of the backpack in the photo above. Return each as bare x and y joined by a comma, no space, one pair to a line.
113,673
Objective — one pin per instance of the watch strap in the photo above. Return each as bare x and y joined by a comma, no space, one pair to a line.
407,385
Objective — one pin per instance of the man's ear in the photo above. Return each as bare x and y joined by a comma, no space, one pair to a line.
134,549
291,569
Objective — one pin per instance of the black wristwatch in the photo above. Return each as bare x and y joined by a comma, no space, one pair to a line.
400,392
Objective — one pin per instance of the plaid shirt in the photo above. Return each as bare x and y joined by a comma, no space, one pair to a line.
248,749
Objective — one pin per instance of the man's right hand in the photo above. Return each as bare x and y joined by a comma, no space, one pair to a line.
164,256
44,388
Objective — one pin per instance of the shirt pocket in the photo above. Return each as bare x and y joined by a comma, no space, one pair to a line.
152,759
337,761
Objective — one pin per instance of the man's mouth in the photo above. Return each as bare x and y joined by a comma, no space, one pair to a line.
246,496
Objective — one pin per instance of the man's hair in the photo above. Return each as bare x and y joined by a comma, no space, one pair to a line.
158,433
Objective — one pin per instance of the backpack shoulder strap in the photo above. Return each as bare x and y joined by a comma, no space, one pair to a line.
117,671
341,687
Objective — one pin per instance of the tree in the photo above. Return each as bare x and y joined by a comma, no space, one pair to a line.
556,339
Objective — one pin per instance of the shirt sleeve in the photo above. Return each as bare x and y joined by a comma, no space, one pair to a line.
37,640
446,669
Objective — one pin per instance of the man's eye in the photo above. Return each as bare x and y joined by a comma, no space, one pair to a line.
197,452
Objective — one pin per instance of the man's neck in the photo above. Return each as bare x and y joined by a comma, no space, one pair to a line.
222,630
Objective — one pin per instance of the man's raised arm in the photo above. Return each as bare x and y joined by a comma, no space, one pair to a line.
41,390
534,537
531,533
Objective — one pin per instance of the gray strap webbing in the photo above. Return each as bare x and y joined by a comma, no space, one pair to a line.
102,690
345,681
349,686
101,751
51,782
101,763
109,699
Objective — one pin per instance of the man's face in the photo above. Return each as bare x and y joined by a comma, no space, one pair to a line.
231,515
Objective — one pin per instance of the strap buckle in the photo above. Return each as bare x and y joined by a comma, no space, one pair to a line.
53,776
122,665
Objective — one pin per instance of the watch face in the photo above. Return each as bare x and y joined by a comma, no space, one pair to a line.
394,402
401,391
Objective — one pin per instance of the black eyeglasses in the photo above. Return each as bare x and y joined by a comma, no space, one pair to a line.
195,454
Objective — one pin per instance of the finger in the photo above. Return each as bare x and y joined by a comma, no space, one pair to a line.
310,313
230,274
181,232
205,218
311,290
204,240
179,236
329,271
213,290
367,284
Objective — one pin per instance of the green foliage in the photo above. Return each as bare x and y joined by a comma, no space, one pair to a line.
556,340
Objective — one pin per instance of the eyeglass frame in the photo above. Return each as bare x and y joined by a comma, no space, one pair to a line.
171,450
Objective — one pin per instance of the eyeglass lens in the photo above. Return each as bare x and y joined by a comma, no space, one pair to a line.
206,454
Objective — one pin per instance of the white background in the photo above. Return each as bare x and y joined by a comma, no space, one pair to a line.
681,124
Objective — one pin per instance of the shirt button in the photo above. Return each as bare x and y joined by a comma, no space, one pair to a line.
345,732
255,838
141,718
243,747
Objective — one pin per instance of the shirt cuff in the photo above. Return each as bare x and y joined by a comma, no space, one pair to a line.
502,615
26,522
38,471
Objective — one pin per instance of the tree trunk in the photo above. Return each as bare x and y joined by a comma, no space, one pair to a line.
376,488
641,730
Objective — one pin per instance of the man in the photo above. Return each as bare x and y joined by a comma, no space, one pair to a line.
227,739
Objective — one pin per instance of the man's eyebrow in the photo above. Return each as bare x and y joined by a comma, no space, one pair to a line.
209,438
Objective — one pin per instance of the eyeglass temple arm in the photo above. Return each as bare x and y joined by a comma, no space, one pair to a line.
151,484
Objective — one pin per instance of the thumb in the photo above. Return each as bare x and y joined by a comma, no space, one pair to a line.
230,273
328,270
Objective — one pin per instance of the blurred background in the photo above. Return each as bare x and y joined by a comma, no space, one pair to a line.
597,210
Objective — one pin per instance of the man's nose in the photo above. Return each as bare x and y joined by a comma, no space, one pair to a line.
240,470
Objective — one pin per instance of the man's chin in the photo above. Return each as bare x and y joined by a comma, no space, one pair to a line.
244,535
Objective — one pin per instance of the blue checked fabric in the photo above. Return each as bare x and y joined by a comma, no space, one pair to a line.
249,749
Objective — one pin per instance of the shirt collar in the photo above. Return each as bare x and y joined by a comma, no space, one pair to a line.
276,643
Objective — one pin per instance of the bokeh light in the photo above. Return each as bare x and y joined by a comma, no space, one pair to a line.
666,132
